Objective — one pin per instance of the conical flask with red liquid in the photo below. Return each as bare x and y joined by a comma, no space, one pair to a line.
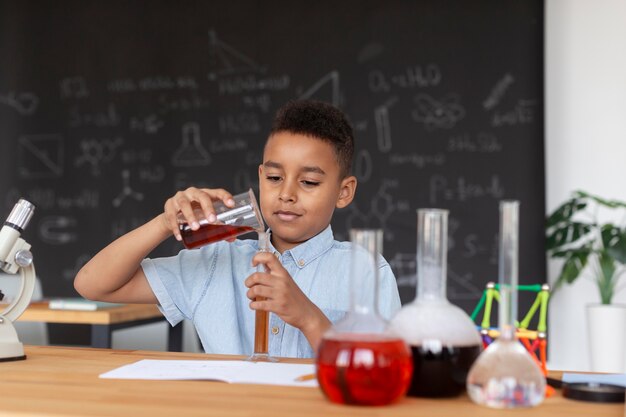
359,361
443,339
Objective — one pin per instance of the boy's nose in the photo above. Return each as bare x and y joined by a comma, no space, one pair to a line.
287,193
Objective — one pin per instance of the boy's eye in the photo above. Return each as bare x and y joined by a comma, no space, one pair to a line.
310,183
273,178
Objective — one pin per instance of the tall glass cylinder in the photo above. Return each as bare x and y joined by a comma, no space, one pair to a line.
358,360
261,317
443,339
432,254
507,267
505,375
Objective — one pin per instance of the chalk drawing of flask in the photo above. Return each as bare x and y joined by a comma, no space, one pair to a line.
191,153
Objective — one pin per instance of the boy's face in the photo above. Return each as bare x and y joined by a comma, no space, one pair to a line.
300,186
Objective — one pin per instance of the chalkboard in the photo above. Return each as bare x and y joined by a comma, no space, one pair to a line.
107,108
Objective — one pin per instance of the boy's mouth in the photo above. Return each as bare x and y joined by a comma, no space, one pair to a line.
286,216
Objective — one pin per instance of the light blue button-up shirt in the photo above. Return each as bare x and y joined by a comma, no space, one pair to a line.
206,285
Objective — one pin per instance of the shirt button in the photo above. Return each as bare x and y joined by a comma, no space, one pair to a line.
275,330
301,262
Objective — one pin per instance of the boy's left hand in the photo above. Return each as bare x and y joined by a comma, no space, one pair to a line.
284,297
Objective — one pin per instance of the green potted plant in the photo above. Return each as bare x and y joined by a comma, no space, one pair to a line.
589,247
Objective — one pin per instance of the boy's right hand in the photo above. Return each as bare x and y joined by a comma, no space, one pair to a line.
183,202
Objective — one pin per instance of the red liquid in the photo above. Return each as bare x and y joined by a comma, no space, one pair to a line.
364,369
210,233
261,327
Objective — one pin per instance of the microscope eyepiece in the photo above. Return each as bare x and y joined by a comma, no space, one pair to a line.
20,215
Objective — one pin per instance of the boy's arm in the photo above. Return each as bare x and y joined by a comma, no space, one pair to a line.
286,299
115,274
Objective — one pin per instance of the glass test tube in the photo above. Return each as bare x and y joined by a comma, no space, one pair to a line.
261,318
507,268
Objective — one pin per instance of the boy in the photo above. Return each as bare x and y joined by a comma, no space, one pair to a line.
304,176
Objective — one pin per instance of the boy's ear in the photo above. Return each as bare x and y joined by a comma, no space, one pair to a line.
346,191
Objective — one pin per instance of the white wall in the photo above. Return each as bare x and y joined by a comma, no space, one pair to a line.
585,140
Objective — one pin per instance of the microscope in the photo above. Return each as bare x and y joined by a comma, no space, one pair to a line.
15,257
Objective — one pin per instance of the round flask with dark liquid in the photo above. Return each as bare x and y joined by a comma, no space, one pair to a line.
443,339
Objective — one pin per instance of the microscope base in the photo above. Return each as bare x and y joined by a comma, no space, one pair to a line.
15,358
11,349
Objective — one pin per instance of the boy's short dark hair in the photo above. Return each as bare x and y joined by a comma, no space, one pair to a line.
321,121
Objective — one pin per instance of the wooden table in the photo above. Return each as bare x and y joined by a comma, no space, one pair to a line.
104,321
55,381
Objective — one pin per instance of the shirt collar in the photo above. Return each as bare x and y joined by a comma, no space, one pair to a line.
310,250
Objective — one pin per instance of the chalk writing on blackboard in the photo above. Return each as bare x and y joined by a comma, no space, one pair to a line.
461,189
411,77
127,190
239,123
151,174
363,165
191,152
41,156
522,113
96,152
418,160
383,128
382,206
73,88
58,230
226,60
325,89
25,103
482,142
434,113
498,91
460,285
192,101
148,124
109,117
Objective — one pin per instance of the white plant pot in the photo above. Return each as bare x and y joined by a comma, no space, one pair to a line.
606,330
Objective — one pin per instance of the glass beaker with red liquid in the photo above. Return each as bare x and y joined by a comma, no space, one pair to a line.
442,337
243,217
359,361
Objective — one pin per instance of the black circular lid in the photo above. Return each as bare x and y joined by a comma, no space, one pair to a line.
592,391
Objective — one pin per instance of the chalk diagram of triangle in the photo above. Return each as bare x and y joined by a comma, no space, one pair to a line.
226,60
325,89
41,156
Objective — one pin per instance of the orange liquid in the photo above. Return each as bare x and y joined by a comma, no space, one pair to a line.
261,324
210,233
370,371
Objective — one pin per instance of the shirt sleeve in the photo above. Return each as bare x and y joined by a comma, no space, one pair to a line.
178,282
388,297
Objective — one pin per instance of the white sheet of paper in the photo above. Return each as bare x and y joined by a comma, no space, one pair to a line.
241,372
